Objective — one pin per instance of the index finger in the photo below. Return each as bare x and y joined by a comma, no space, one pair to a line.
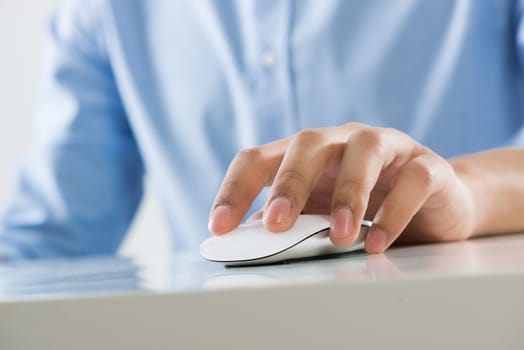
249,172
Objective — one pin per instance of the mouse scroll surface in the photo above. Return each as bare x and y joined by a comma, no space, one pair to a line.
252,244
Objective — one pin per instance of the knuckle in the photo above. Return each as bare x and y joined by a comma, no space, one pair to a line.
292,185
370,138
355,125
352,185
446,168
352,191
233,192
357,202
289,179
249,155
393,131
229,188
232,185
309,136
423,172
222,200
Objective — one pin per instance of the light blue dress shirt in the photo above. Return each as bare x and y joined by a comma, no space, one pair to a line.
174,89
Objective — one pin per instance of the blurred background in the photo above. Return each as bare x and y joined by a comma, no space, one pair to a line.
22,26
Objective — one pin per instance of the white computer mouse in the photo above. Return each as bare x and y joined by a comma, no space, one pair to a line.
252,244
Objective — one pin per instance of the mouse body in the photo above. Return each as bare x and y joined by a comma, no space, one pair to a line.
252,244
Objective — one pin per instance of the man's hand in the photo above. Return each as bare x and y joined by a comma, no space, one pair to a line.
352,172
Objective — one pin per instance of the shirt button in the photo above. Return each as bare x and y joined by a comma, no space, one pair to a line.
268,59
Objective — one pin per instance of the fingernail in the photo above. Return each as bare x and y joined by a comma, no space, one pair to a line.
279,210
341,223
219,218
376,240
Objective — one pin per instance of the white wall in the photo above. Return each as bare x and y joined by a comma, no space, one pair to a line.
21,29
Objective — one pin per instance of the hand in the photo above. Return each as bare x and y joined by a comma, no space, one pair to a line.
352,172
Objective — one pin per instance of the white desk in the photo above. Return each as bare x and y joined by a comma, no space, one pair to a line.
467,295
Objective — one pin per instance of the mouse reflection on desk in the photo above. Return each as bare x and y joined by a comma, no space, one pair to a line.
252,244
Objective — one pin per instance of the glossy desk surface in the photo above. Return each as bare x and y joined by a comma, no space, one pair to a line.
478,282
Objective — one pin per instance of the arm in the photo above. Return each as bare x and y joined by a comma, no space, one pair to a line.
78,187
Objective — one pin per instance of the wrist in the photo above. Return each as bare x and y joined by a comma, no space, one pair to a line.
495,182
473,204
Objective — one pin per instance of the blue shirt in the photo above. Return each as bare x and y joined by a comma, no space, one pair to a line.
174,89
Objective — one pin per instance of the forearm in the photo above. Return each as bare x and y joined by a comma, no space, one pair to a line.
495,180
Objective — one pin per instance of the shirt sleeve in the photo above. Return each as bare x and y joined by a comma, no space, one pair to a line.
518,26
78,187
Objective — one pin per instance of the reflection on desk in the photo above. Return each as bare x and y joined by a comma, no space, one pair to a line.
189,272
